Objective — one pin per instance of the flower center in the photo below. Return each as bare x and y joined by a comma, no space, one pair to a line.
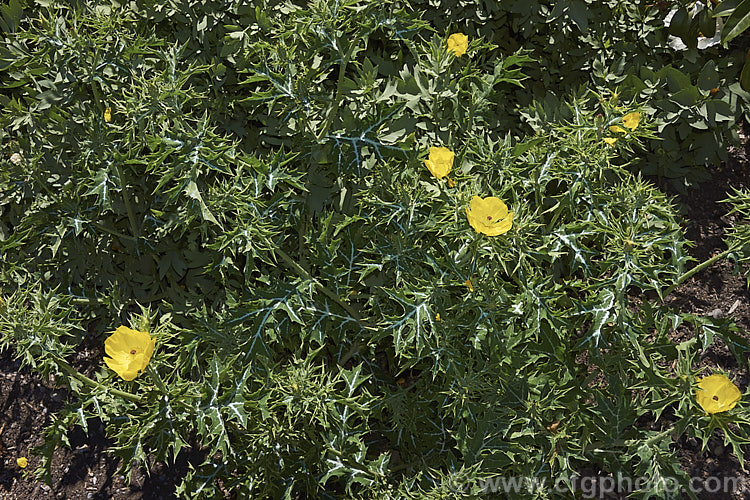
489,217
132,351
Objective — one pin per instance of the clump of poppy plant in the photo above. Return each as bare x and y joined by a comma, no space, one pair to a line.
129,351
716,393
489,216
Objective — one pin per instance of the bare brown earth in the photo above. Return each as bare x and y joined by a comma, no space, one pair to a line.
87,471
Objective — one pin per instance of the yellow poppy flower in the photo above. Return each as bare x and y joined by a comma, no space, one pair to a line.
440,161
22,462
108,115
716,393
631,120
458,43
129,350
437,317
489,216
610,141
617,129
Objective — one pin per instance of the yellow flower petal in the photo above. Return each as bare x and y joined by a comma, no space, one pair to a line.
469,284
716,394
631,120
108,115
489,216
617,129
22,462
129,351
458,43
610,140
440,161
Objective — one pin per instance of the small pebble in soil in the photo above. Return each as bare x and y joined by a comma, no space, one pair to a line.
716,313
734,306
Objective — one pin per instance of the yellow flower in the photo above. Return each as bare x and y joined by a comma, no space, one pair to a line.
716,393
129,350
458,43
437,317
108,115
489,216
22,462
631,120
610,140
451,183
469,284
440,161
617,129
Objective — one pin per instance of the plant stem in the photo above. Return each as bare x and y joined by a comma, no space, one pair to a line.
113,232
354,349
658,437
126,199
84,300
294,265
94,300
157,379
93,383
700,267
337,98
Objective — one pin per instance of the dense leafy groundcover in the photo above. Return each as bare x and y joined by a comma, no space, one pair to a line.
247,184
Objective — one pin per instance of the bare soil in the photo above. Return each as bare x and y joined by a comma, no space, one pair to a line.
87,471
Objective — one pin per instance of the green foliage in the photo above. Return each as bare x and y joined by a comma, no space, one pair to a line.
737,13
247,184
623,48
